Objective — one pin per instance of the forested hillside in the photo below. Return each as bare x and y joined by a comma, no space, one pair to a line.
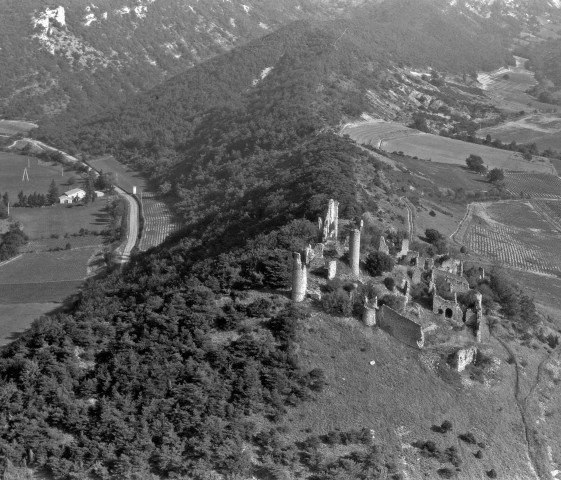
340,60
76,58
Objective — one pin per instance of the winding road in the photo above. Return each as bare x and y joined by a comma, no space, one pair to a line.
132,233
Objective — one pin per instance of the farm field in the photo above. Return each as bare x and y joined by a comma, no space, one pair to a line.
393,137
126,177
533,185
158,222
12,127
16,318
40,175
43,222
514,234
443,175
507,86
446,150
542,129
45,267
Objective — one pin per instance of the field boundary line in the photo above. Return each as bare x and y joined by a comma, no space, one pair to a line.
465,219
5,262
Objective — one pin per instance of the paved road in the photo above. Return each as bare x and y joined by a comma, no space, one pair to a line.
132,234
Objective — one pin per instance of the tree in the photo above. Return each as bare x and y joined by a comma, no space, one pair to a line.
496,175
52,195
378,262
475,163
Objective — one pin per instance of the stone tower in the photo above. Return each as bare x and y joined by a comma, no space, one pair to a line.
354,251
299,278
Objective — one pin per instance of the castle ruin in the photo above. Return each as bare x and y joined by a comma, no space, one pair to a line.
329,228
400,327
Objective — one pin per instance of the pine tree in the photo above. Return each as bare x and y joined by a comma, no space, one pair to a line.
52,195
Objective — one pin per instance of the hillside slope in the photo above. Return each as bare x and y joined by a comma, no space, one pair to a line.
77,58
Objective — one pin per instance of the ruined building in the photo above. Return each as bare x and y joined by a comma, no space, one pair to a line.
449,308
400,327
383,246
455,283
329,228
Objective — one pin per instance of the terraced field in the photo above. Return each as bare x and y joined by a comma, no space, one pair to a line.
158,222
518,234
533,185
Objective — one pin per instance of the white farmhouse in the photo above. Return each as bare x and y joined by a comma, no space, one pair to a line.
74,195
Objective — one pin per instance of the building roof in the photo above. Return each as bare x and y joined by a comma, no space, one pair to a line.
74,191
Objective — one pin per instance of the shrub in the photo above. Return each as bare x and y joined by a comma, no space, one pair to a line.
378,262
446,472
468,438
260,308
432,213
68,246
389,282
337,302
395,302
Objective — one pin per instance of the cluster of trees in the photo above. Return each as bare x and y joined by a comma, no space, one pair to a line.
475,163
11,241
36,199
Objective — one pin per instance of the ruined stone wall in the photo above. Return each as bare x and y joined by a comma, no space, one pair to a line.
383,246
448,308
401,328
456,283
329,228
464,357
482,333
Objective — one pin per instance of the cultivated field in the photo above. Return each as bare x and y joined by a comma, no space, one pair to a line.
158,222
393,137
515,234
12,127
533,185
507,86
16,318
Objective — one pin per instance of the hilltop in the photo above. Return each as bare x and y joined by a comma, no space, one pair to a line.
194,362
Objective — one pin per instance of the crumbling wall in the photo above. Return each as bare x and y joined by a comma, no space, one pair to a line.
482,328
416,276
464,357
456,283
448,308
400,327
404,248
329,228
383,246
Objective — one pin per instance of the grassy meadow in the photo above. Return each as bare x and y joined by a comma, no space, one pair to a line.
43,222
16,318
395,398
